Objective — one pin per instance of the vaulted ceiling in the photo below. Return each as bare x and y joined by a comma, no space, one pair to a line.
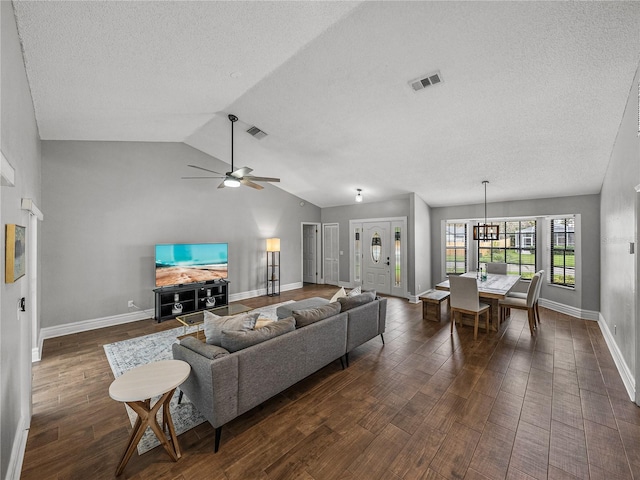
531,98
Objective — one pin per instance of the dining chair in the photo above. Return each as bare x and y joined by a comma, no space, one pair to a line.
527,303
537,294
465,299
495,267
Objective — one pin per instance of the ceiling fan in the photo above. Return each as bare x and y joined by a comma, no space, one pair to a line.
238,177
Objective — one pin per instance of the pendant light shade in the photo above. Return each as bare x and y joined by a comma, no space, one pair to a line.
486,232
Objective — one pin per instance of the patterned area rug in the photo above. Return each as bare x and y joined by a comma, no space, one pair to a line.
128,354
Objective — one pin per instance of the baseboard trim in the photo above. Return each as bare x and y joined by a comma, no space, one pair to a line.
623,369
94,324
569,310
17,452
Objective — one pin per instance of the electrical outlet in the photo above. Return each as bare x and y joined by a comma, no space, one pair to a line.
130,303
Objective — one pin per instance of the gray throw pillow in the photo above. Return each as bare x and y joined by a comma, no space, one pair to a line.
237,340
210,351
352,302
311,315
214,324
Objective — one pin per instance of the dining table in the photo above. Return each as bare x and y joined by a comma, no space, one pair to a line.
492,288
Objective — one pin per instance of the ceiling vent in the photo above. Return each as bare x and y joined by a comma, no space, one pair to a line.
257,133
426,81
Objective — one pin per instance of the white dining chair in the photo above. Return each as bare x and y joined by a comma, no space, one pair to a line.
495,267
464,299
527,303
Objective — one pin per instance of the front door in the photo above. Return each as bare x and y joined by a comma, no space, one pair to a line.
376,260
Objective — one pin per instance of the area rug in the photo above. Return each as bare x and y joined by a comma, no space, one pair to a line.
128,354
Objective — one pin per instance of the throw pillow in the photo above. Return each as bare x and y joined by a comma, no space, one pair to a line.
312,315
237,340
262,322
210,351
355,291
214,324
353,302
339,294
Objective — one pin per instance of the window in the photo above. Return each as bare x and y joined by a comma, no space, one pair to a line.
456,247
516,247
563,256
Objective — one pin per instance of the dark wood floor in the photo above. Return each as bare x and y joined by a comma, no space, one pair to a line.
427,405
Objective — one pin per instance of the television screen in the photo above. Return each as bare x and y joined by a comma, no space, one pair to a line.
181,263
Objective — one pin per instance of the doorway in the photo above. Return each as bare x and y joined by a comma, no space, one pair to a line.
331,253
378,255
311,246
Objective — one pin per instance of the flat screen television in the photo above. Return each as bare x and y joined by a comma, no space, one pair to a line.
183,263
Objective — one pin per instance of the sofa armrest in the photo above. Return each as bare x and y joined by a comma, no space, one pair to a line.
382,315
212,385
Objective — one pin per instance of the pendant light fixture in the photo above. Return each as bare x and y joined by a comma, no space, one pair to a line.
359,195
485,232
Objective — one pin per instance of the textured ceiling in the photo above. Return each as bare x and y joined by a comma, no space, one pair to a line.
532,97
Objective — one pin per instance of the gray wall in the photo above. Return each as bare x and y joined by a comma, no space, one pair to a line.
21,146
587,297
107,204
420,267
341,215
618,229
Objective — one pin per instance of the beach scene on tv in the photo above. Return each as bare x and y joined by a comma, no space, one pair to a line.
177,264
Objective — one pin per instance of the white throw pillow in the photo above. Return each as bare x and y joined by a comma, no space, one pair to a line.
339,294
355,291
214,324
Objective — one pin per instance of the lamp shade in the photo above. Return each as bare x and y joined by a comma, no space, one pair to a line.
273,244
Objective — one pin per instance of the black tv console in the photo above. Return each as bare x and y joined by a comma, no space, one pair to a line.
192,297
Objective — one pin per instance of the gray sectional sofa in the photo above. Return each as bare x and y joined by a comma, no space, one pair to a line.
223,385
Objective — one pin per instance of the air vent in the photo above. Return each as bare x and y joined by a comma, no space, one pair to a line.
426,81
257,133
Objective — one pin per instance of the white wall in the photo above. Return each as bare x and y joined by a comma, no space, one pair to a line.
586,296
618,229
21,146
107,204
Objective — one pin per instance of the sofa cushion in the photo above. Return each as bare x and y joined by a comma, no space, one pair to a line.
339,294
284,311
311,315
238,339
351,302
210,351
214,324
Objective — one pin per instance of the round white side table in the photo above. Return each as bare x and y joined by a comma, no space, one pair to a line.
136,388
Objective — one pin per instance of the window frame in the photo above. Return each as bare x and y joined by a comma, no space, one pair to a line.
562,247
505,253
455,247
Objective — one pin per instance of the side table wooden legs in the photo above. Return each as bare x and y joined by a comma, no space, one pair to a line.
147,418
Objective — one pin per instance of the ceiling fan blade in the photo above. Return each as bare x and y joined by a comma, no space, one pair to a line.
241,172
196,178
249,183
221,185
205,169
262,179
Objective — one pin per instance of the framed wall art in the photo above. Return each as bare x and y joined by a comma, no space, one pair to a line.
14,253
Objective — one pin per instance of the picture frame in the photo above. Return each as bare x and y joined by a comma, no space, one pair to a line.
14,252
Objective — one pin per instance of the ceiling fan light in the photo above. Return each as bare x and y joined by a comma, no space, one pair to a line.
359,195
231,182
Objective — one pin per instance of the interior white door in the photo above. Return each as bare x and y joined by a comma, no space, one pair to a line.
331,263
309,254
376,262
